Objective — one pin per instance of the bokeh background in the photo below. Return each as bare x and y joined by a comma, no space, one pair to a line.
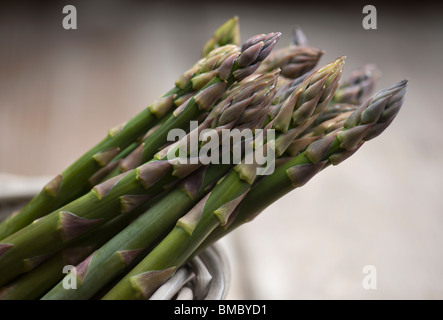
61,90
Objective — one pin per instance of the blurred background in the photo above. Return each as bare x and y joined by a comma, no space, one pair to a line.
61,90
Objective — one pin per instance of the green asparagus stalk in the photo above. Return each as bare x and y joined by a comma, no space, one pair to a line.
34,284
24,250
78,178
129,245
358,86
234,68
364,124
228,33
214,210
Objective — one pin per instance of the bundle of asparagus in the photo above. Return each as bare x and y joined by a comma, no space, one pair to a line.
134,209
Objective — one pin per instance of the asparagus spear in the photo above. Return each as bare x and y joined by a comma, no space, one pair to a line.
130,244
228,33
315,93
364,124
234,68
75,180
298,37
358,85
25,249
296,59
293,61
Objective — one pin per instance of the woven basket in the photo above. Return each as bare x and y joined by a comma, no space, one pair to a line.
205,277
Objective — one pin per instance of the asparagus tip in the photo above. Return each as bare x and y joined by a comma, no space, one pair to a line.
298,37
227,33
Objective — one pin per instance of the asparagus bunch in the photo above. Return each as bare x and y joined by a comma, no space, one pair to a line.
152,207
